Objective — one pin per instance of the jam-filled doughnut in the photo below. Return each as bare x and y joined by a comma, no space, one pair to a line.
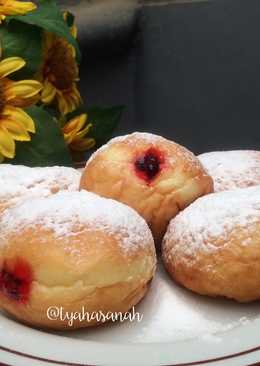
76,251
20,182
151,174
213,246
232,169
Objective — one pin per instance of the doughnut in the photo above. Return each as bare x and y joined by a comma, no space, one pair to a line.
213,246
151,174
232,169
75,251
20,182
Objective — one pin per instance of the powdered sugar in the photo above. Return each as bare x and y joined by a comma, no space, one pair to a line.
135,136
232,169
62,211
20,181
155,140
213,217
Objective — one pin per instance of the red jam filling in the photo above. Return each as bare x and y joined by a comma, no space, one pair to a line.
16,280
149,164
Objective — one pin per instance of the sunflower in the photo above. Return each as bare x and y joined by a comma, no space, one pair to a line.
13,7
15,123
60,73
75,132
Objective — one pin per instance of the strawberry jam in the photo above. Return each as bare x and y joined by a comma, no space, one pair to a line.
149,164
16,280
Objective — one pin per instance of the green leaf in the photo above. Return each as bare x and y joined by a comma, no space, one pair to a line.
23,40
105,121
47,147
49,17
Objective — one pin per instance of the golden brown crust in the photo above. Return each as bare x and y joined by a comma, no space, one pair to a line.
100,302
213,248
111,173
100,279
87,268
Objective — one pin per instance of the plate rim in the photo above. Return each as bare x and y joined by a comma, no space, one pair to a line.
165,348
64,363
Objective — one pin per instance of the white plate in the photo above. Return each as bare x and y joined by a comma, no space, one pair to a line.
178,328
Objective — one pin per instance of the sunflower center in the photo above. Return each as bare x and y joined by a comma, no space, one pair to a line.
2,97
60,68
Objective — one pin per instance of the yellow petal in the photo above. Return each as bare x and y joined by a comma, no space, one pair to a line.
10,65
16,130
7,145
48,93
2,18
74,32
19,115
76,94
62,104
84,132
83,144
76,99
27,102
73,52
75,124
71,105
23,89
68,137
16,7
65,14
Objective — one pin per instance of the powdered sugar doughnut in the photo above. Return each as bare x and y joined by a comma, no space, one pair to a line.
20,182
232,169
73,250
151,174
213,246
